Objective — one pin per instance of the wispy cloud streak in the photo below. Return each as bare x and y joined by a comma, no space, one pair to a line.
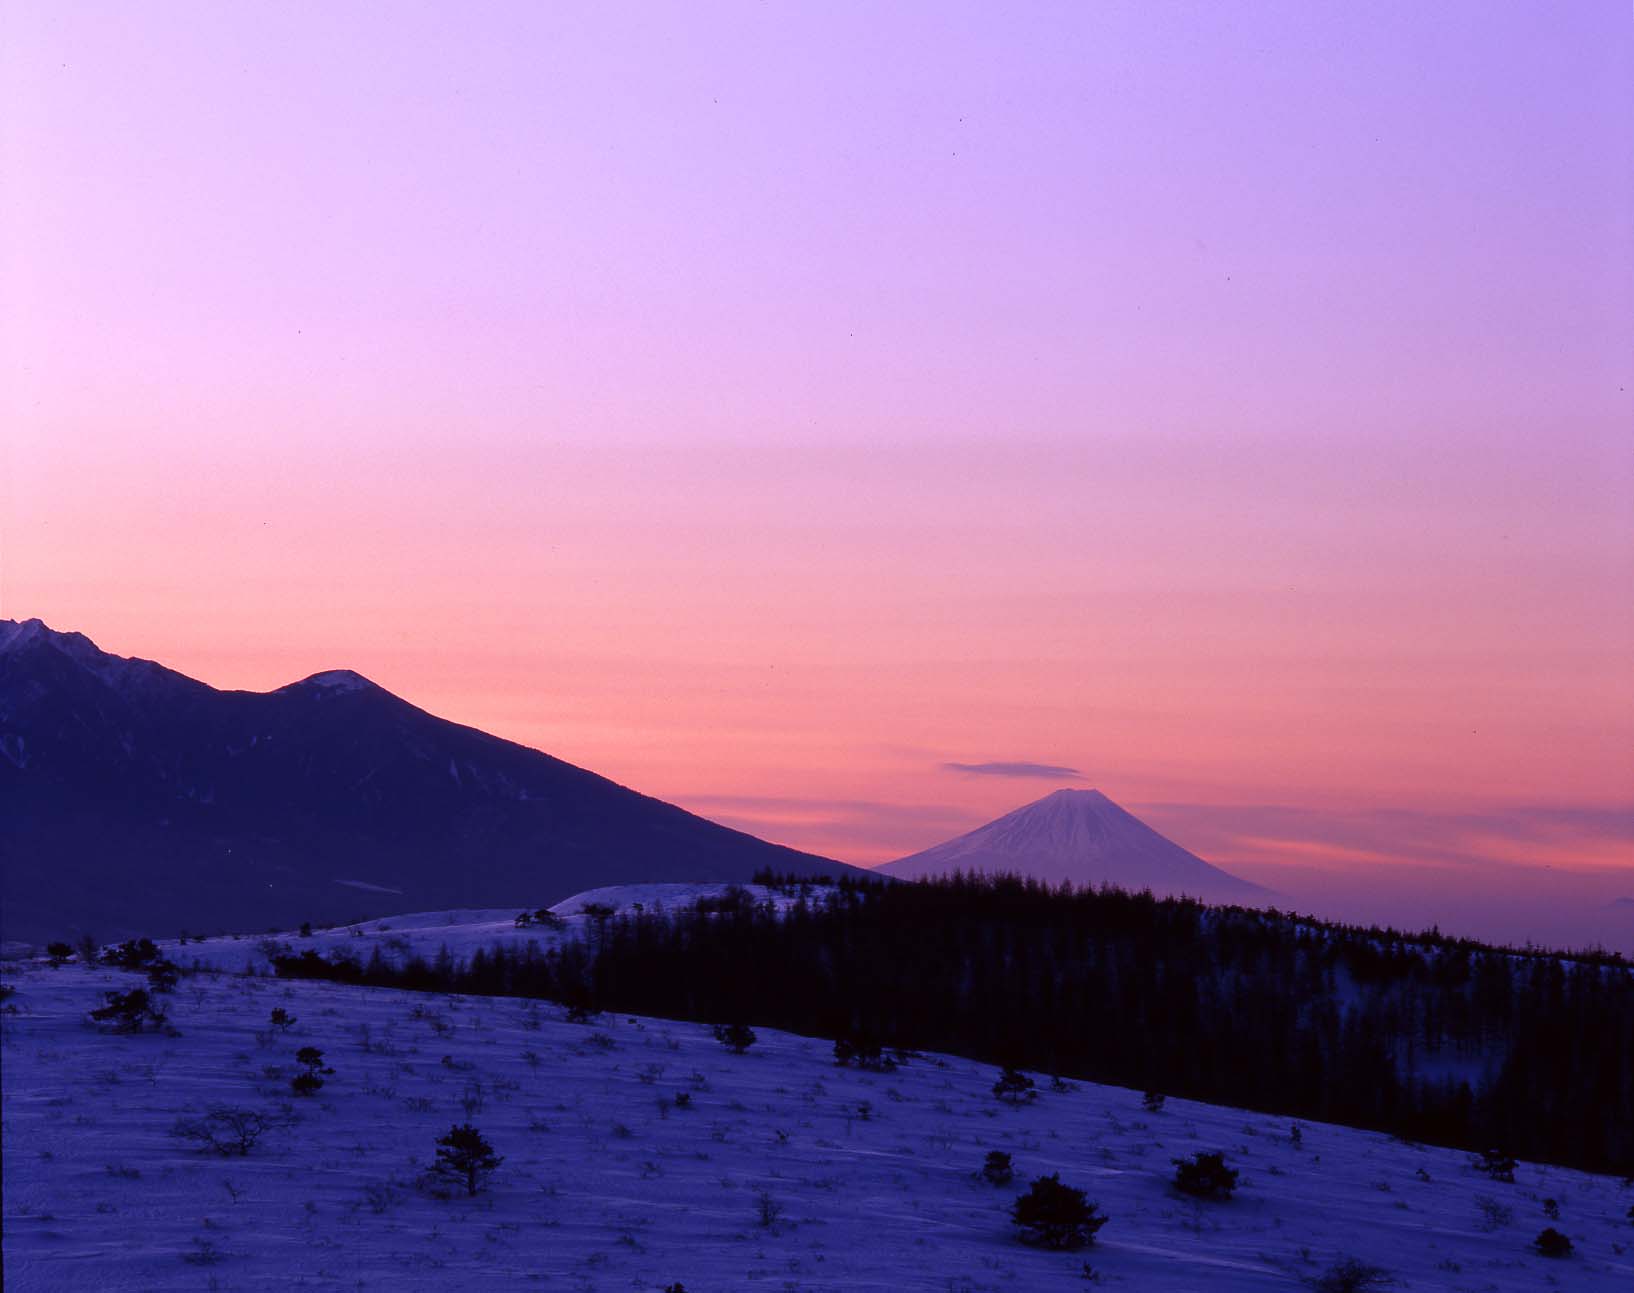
1045,771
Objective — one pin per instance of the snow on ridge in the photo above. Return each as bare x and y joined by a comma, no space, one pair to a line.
115,670
334,682
426,933
16,634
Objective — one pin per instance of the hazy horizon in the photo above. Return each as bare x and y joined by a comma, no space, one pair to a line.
850,424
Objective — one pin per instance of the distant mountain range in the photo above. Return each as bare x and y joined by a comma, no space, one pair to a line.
134,799
1083,837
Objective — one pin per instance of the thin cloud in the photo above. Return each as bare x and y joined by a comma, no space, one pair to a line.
1047,771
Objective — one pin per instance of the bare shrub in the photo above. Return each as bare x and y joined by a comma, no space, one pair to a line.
768,1211
1494,1215
228,1129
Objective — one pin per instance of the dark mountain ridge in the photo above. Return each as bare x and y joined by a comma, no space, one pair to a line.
134,799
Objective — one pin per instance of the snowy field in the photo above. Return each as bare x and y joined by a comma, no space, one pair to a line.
868,1180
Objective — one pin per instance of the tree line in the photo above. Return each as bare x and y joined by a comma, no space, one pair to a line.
1441,1040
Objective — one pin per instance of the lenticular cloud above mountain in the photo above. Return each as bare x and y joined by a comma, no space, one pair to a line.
1083,837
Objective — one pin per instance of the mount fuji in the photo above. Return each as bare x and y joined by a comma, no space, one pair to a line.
1083,837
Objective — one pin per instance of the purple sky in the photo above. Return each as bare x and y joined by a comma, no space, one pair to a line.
775,407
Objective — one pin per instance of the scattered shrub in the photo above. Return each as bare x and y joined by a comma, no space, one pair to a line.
1204,1176
737,1038
864,1052
204,1253
1351,1275
132,954
1497,1165
1053,1215
162,976
580,1008
1551,1243
997,1169
1152,1101
768,1211
463,1155
1014,1087
281,1019
1494,1215
130,1012
309,1081
227,1129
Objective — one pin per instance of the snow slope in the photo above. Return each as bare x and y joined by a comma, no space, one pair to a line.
462,930
1083,837
607,1185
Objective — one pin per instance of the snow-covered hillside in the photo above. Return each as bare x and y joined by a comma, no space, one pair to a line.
610,1182
462,931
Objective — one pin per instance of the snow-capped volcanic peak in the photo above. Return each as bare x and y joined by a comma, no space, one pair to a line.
1067,822
1083,837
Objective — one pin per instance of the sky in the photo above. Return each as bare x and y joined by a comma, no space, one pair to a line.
853,421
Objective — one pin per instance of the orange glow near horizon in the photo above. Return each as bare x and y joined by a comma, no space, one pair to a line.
717,401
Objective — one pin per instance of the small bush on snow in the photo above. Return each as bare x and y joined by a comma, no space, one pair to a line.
997,1168
1205,1176
1551,1243
1014,1087
1053,1215
1351,1275
737,1038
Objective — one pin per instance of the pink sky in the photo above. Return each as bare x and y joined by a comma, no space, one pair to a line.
768,406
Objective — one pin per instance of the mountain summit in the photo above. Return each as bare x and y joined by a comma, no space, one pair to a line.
136,800
1081,836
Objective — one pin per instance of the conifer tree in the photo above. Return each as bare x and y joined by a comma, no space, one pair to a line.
463,1155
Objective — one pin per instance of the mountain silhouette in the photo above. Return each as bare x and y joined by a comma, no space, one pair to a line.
134,799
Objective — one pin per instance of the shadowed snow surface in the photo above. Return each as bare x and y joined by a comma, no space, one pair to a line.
601,1188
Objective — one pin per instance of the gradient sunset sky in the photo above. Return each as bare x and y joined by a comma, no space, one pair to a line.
853,421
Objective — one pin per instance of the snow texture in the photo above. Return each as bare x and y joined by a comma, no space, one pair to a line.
1083,837
608,1184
